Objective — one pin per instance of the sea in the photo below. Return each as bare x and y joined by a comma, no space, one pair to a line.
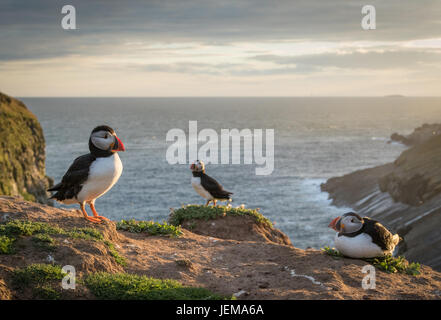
315,138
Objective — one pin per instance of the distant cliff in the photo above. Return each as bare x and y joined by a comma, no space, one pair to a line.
419,135
22,152
405,195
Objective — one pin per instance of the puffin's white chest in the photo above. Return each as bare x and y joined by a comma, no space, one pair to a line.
103,174
360,246
196,183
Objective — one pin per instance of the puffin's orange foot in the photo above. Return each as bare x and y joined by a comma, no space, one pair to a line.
102,218
95,214
94,220
86,216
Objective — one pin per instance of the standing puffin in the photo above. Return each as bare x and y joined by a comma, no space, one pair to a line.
206,186
359,237
93,174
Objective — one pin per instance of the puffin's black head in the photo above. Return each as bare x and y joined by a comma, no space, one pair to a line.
347,223
103,128
198,166
103,141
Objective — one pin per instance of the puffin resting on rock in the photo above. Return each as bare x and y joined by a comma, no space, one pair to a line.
359,237
93,174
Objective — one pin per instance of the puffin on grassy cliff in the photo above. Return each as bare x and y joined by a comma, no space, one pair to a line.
93,174
206,186
359,237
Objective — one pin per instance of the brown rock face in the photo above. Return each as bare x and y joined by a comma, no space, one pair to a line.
243,228
419,135
416,175
22,152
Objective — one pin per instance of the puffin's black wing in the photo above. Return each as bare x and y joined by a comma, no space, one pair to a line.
74,178
380,235
214,187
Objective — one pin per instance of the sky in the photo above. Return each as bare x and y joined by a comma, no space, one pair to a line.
220,48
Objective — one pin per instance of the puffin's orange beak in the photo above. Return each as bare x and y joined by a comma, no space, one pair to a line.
119,146
333,223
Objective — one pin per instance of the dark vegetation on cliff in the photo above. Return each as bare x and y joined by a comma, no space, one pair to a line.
22,152
405,195
149,260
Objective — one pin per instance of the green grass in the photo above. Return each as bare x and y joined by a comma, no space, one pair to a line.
42,232
123,286
27,196
42,279
114,253
44,241
6,245
46,292
387,264
15,228
390,264
332,252
152,228
85,234
191,212
10,231
37,274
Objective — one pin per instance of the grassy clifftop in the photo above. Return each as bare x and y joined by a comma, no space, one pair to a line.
149,260
22,152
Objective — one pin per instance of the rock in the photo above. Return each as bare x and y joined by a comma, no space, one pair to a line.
237,228
184,263
416,176
22,152
5,293
240,293
419,135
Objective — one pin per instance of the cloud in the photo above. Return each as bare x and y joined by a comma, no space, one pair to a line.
32,30
373,60
187,47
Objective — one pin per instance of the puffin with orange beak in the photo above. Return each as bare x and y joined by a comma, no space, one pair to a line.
93,174
206,186
359,237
